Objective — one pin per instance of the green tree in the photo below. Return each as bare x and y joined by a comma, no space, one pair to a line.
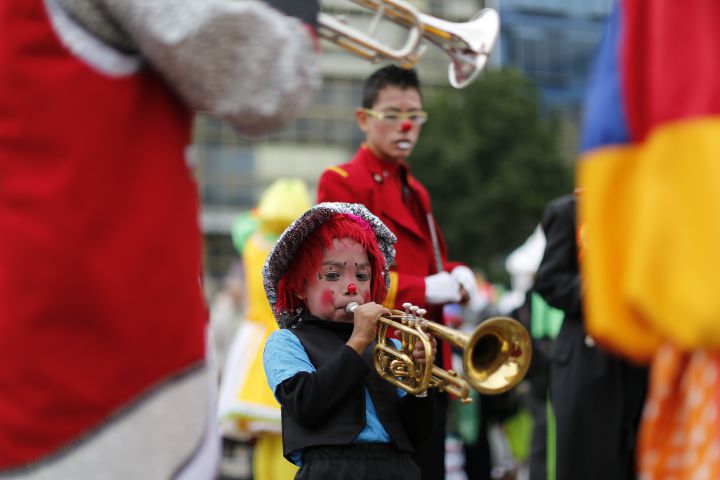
491,162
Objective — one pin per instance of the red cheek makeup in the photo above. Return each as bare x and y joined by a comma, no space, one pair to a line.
327,299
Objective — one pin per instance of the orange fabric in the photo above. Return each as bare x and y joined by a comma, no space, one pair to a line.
680,431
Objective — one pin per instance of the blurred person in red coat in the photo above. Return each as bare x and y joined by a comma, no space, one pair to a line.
103,368
378,177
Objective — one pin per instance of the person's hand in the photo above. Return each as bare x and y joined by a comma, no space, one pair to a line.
442,288
464,296
419,354
365,320
469,291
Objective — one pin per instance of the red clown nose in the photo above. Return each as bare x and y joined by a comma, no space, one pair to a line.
352,289
406,125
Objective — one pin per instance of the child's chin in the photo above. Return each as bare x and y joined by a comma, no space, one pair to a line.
342,317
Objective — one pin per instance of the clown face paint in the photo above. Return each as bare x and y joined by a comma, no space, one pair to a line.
392,142
327,294
366,296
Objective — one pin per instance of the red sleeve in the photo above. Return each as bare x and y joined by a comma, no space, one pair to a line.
449,266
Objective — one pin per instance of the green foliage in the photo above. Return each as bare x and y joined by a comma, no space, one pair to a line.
491,163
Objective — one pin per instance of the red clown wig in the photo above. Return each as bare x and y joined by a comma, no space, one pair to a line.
309,258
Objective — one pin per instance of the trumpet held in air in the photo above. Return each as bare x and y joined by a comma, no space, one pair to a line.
468,44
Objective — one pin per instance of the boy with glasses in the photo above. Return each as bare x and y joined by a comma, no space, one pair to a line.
379,178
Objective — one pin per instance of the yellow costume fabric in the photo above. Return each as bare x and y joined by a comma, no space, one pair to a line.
245,396
652,230
650,180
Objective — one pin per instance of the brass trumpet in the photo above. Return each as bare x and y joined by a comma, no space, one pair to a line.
496,355
467,44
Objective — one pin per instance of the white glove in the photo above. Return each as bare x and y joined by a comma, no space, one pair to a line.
441,288
465,277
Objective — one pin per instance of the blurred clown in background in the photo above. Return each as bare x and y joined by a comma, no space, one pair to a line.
649,176
247,406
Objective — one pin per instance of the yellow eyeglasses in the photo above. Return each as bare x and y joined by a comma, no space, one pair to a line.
418,117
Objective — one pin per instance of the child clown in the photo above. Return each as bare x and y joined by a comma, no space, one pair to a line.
339,418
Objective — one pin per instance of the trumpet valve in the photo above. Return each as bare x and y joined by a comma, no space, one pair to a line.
421,316
406,306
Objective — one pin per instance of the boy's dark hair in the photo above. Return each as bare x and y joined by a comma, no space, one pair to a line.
391,75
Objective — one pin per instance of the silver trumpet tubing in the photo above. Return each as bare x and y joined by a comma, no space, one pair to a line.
468,44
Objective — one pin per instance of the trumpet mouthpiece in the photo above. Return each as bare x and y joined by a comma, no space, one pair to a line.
350,308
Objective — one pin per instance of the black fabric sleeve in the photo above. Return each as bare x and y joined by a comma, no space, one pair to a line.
310,397
558,277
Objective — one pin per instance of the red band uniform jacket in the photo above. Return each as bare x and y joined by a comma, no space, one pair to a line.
379,186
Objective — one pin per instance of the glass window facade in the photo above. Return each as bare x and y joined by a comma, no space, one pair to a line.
554,43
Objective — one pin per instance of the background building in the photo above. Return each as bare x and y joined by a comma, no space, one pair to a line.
551,41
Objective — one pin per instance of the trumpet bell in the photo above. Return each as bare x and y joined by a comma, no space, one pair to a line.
497,355
469,46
